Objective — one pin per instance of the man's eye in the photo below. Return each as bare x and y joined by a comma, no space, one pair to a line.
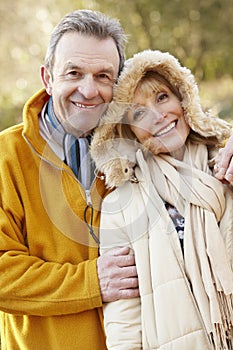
105,78
73,73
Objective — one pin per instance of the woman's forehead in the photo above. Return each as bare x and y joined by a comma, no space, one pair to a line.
149,87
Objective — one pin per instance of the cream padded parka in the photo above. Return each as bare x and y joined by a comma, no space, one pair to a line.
166,317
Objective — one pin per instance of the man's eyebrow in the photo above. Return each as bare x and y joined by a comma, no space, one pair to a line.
107,70
71,65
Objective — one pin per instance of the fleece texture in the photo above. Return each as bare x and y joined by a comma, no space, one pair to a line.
49,290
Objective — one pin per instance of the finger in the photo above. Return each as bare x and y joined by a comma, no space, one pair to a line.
225,155
127,272
114,294
116,267
222,161
118,251
129,293
128,283
125,261
229,172
219,173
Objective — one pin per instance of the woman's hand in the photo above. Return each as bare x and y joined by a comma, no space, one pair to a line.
223,167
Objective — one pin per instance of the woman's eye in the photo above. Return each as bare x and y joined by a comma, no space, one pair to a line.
162,96
138,115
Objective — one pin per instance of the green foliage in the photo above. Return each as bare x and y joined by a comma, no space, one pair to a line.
198,32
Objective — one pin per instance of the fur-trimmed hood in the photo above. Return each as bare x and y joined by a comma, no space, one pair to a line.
116,157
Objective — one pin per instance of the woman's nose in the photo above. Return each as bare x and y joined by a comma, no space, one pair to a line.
88,87
158,115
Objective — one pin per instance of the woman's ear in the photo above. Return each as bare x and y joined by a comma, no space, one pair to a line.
46,78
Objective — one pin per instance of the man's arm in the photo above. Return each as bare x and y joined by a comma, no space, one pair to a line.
224,163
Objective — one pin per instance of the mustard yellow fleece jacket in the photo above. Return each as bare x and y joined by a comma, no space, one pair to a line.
49,290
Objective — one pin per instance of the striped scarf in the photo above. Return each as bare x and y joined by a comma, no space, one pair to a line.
76,150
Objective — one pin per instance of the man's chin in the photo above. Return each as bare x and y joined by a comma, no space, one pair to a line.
84,121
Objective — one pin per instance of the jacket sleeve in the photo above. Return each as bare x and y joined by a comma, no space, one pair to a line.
30,285
122,318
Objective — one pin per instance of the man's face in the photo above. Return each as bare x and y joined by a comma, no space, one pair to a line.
81,83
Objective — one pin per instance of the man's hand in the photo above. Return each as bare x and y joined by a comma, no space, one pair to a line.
117,275
224,163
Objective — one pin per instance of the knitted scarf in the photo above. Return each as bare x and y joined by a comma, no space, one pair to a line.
201,199
76,151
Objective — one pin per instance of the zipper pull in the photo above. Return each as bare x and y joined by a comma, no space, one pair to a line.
89,222
88,198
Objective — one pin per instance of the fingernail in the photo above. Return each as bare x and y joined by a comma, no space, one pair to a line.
229,177
222,171
219,177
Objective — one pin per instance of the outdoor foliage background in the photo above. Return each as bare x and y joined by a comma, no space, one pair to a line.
198,32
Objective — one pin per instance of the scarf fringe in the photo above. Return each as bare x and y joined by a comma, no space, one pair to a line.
222,335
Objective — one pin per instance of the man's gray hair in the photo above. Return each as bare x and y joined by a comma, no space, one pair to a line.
90,23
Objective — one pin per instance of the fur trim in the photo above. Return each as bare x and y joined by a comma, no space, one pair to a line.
181,77
113,157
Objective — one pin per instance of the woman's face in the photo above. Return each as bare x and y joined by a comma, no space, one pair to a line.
157,120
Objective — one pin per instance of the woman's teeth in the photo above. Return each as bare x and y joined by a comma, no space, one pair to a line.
165,130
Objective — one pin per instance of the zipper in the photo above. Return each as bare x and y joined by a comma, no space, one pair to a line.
89,206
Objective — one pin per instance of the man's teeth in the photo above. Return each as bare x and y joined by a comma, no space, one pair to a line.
165,130
84,106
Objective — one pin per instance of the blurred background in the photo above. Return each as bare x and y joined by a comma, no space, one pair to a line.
198,32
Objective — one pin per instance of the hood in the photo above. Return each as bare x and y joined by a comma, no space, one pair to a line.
116,157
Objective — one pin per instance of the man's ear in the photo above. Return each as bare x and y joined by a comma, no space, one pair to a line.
46,79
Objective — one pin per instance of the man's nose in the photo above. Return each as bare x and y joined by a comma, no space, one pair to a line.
88,87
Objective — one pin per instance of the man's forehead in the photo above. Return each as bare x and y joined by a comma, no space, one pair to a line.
85,51
86,46
87,64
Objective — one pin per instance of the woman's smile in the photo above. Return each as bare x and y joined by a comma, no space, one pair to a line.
166,129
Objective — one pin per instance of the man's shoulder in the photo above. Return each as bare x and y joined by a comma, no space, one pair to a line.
11,139
11,132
